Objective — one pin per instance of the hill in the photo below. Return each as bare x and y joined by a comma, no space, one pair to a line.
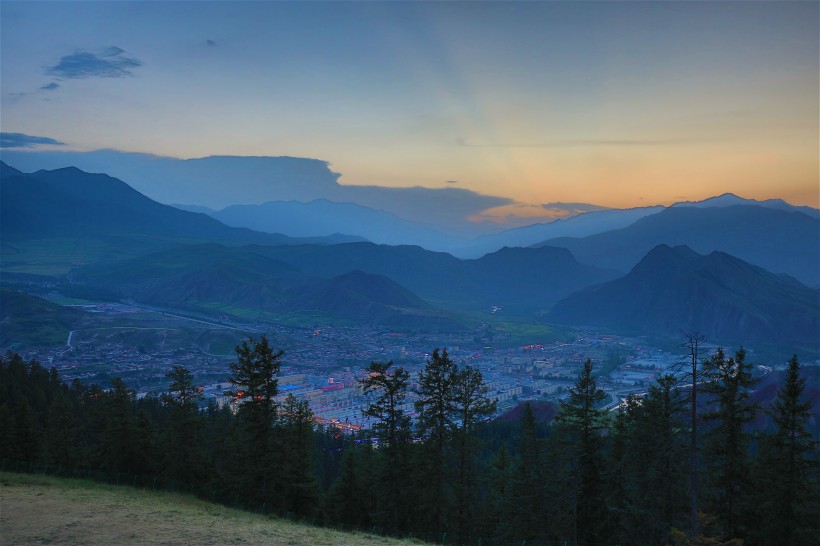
521,280
46,510
718,295
782,241
71,217
371,299
251,285
322,217
28,320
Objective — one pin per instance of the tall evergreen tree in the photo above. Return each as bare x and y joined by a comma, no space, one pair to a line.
471,404
120,428
254,378
651,495
727,441
583,423
435,409
387,391
789,491
302,488
183,459
524,508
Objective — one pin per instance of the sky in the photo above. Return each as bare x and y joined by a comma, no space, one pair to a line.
619,104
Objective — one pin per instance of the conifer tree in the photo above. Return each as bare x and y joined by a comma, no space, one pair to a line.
435,409
118,438
301,486
789,491
254,378
582,423
471,404
183,459
652,477
727,440
387,390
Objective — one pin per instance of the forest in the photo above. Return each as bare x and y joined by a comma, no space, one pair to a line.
682,464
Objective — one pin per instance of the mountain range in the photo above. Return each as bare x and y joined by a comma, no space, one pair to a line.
747,286
676,289
782,241
68,202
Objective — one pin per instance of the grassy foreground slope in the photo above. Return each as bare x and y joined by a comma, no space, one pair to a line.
36,509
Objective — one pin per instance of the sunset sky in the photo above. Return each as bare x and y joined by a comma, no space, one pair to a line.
619,104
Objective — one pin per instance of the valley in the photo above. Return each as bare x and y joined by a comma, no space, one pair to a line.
143,287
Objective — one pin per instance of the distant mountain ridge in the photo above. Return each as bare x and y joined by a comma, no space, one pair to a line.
676,289
71,203
523,279
730,199
241,282
781,241
321,217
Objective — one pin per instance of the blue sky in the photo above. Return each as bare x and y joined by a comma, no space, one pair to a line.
613,103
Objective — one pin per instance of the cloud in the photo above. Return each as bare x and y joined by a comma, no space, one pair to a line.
111,62
50,86
570,143
20,140
572,208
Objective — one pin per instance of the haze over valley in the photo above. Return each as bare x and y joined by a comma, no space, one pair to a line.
408,267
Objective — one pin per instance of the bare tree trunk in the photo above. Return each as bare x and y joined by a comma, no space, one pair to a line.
693,343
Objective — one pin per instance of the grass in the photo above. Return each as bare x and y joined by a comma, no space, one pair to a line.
36,509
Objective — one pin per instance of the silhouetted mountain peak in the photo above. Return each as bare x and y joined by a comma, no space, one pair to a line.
7,170
674,288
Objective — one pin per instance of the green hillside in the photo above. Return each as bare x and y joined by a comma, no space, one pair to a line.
46,510
29,320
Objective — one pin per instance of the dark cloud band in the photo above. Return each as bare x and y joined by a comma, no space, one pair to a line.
20,140
112,62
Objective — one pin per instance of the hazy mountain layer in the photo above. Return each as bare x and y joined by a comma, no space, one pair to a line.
675,289
248,285
778,240
71,203
518,279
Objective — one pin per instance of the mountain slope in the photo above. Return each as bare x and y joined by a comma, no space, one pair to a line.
242,282
582,225
29,320
322,217
71,203
521,279
41,509
718,295
371,299
776,240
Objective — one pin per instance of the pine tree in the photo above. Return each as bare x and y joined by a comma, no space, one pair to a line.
525,504
582,423
302,488
471,404
435,412
254,377
789,490
183,459
651,494
387,391
727,441
120,430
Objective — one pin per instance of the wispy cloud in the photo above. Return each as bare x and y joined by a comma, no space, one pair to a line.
569,143
112,62
50,86
572,208
20,140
